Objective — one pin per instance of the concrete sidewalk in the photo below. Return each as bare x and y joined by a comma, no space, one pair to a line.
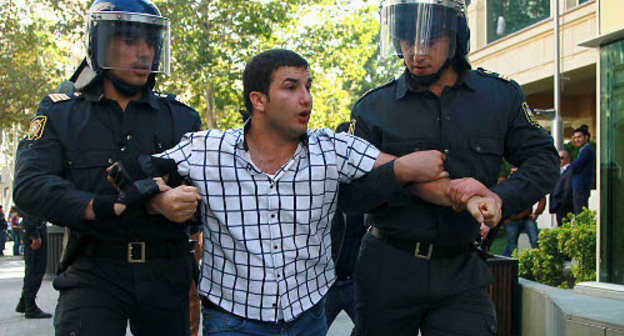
14,324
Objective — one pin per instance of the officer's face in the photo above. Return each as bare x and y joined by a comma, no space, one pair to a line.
564,157
130,58
426,62
579,139
288,106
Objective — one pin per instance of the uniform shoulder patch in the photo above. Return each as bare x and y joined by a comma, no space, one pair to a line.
37,125
59,97
529,114
493,74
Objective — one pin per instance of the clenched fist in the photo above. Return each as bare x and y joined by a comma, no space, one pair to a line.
420,166
486,210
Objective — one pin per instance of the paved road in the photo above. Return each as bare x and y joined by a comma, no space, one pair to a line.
14,324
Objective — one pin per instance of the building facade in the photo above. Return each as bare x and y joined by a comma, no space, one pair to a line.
516,38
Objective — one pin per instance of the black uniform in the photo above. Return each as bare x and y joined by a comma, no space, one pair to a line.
34,260
106,278
477,122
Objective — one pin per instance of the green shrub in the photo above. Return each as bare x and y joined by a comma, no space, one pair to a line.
575,240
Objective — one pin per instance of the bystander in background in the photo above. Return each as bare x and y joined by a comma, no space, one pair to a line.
16,231
583,169
527,221
561,201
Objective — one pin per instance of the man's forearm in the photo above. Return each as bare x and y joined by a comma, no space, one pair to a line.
435,192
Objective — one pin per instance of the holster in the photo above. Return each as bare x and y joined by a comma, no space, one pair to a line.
73,245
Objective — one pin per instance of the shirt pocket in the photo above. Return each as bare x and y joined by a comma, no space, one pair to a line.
87,170
404,147
489,153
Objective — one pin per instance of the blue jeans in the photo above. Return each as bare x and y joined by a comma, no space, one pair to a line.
513,229
309,323
341,296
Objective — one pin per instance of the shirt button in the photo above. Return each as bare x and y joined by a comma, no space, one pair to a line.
129,137
123,148
111,161
271,186
447,151
275,247
279,275
273,216
478,148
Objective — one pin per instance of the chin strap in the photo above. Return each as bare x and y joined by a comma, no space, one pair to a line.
429,80
124,88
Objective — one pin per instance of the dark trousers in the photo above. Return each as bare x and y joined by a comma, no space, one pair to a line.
400,295
16,236
35,265
3,236
341,296
580,197
100,296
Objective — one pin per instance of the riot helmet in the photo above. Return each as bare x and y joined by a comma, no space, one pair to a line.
136,23
410,27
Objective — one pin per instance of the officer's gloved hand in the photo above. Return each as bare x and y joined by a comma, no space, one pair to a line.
136,193
131,169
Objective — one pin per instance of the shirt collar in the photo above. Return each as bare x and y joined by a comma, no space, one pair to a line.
241,142
96,94
465,78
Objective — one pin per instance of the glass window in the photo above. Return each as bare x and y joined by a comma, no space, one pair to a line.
583,1
508,16
612,163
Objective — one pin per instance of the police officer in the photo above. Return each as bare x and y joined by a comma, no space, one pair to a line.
416,271
35,258
124,260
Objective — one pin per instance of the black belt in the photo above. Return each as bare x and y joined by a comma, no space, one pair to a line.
420,250
139,252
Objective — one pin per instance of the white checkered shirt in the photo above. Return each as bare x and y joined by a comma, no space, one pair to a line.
267,249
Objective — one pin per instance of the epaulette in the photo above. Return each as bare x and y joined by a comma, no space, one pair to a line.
58,97
493,74
171,97
375,89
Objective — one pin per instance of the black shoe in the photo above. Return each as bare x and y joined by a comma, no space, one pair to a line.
32,311
21,306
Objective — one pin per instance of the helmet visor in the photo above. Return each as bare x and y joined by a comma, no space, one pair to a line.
414,27
129,41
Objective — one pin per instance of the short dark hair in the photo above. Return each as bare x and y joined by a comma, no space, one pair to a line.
259,71
583,129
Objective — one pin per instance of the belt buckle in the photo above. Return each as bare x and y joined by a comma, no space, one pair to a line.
423,256
131,247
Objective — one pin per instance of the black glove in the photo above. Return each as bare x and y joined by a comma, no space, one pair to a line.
128,170
135,194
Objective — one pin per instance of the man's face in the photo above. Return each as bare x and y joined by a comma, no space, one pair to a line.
579,139
428,62
289,103
564,157
130,58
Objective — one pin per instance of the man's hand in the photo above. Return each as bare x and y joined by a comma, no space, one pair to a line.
177,204
463,189
420,166
486,210
534,217
36,244
484,231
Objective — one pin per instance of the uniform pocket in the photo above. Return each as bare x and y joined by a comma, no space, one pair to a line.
487,146
88,169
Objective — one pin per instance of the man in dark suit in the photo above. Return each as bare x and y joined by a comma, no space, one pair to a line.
561,201
583,169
